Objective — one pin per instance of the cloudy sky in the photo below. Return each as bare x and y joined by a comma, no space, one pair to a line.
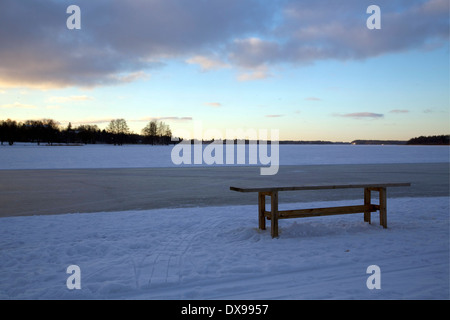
309,68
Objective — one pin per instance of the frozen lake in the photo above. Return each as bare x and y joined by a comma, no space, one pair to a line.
22,156
96,178
156,231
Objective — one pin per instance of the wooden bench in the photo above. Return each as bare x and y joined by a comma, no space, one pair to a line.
274,214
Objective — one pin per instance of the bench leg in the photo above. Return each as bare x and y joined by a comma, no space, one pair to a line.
367,200
261,209
383,207
274,214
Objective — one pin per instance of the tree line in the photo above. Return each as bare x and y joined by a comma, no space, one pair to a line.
431,140
50,132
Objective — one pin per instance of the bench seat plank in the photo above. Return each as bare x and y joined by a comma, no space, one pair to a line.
319,187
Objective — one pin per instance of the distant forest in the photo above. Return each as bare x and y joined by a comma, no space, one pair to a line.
49,132
155,132
431,140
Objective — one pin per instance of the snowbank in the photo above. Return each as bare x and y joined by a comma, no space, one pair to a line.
218,253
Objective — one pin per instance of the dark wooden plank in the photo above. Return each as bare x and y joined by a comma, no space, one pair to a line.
274,215
320,187
383,208
317,212
367,201
261,210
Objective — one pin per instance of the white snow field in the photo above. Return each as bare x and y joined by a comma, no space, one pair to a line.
218,252
31,156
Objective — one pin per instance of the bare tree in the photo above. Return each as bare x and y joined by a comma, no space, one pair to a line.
8,131
157,132
87,133
164,133
50,130
118,128
150,131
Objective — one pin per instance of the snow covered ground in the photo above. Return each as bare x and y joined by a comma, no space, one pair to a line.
218,253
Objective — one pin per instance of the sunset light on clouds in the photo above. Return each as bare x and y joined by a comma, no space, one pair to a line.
311,69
